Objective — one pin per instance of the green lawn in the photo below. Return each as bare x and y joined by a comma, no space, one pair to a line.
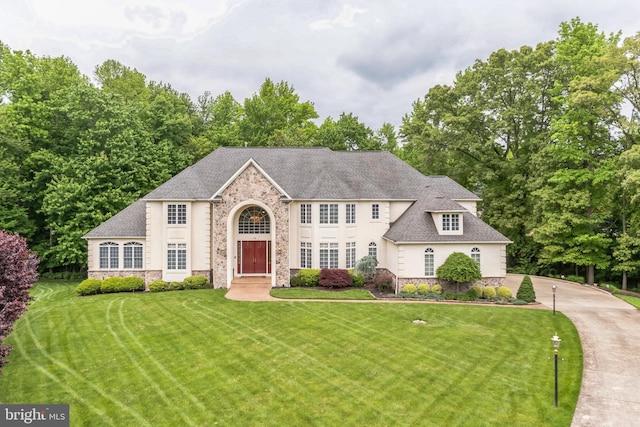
306,293
196,358
631,300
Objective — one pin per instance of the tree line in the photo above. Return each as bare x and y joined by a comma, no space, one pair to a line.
545,135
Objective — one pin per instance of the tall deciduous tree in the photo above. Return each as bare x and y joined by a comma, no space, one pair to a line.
275,116
577,171
18,272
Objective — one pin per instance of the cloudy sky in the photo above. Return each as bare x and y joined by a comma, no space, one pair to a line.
369,58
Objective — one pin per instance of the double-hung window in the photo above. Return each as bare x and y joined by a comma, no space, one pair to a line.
109,255
351,213
305,213
328,213
429,264
177,256
176,214
475,255
375,211
328,255
132,255
450,222
305,255
373,250
351,255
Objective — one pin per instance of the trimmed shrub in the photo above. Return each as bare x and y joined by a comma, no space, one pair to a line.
196,282
357,279
383,283
489,292
132,284
436,289
309,277
459,268
176,286
424,288
526,291
449,295
476,290
111,284
334,278
158,286
503,292
89,287
295,281
409,288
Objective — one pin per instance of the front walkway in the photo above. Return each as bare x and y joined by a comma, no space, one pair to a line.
609,331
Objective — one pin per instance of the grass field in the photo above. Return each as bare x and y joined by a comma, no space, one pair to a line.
305,293
196,358
631,300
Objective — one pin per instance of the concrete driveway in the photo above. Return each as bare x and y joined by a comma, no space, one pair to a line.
609,331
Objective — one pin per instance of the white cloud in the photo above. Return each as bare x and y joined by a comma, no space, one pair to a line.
346,18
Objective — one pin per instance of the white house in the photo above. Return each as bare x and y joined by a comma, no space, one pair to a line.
273,211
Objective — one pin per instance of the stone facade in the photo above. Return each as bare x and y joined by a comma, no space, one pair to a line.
250,188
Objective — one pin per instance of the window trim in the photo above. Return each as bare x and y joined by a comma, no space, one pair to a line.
137,254
350,213
112,260
375,211
329,213
305,213
306,255
331,252
373,247
429,262
179,251
176,214
350,255
451,222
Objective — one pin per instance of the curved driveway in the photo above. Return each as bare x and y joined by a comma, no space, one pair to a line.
609,331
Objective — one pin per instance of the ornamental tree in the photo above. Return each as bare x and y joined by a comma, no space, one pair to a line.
18,272
459,268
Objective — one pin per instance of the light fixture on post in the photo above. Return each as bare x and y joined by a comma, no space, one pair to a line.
554,287
555,340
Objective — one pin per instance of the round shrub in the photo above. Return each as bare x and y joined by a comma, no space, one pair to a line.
111,284
132,284
357,278
476,291
89,287
309,277
436,289
409,288
504,292
424,288
158,286
176,286
489,292
196,282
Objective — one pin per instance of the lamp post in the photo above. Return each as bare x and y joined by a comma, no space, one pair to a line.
555,340
554,287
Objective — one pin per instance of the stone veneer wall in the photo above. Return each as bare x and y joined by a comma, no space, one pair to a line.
251,184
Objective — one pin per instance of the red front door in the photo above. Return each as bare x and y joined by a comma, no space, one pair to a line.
254,257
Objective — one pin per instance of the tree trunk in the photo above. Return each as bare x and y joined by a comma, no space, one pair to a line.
590,274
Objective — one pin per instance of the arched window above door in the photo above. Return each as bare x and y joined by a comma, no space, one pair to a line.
254,220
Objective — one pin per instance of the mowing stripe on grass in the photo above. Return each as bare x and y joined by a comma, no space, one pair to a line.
161,368
138,365
77,376
358,394
19,345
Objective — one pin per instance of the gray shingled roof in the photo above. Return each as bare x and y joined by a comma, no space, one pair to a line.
129,222
416,225
311,173
318,174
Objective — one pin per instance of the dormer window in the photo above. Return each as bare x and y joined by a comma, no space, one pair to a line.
451,222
